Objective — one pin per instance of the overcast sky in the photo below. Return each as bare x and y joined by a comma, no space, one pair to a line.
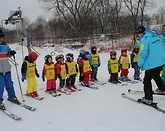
32,9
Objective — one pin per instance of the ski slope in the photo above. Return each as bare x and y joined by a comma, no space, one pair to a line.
86,110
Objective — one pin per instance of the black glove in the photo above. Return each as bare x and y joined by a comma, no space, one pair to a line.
132,65
43,78
109,71
138,68
92,66
98,65
37,75
12,52
55,78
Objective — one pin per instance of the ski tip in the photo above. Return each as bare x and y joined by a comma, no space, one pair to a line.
123,94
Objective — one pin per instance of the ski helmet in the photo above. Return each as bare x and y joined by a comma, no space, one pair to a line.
68,56
113,53
123,50
47,57
136,46
33,55
1,34
163,28
58,57
140,29
81,52
93,49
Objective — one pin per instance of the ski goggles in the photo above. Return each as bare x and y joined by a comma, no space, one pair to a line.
163,28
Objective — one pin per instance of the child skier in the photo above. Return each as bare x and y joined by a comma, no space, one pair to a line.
94,61
81,78
134,59
84,67
72,71
60,69
49,72
113,68
29,72
124,65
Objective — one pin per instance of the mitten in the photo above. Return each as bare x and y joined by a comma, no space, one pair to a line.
23,77
12,52
43,78
37,75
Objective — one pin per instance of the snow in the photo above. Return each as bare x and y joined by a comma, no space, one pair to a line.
86,110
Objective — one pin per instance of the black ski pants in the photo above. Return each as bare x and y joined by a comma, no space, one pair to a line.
155,75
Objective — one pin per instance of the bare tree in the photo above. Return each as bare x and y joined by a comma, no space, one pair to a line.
76,10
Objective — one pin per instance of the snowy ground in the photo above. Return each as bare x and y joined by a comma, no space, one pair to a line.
86,110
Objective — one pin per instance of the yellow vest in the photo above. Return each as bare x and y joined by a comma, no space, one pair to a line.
50,71
63,71
125,62
71,67
135,59
86,66
114,65
30,72
94,58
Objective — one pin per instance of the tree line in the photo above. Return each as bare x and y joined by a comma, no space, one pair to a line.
82,19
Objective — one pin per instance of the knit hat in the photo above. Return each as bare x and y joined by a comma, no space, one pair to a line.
1,34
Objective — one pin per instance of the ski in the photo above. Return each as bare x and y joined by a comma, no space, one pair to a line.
138,91
90,86
62,90
100,82
23,105
30,108
53,93
37,98
11,115
132,82
121,83
77,89
154,104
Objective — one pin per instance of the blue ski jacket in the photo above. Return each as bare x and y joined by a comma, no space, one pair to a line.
152,53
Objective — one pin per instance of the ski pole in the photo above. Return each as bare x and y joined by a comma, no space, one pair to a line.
18,79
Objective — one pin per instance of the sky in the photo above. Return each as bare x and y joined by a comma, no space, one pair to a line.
32,8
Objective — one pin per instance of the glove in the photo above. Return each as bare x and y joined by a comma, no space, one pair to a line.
43,78
12,52
132,65
37,75
55,78
23,77
92,66
98,65
77,74
109,71
138,68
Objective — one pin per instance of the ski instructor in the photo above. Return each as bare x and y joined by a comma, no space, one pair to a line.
5,72
151,59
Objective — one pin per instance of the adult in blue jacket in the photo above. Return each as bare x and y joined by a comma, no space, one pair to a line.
5,72
151,59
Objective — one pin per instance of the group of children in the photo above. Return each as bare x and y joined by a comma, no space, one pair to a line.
65,69
122,65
